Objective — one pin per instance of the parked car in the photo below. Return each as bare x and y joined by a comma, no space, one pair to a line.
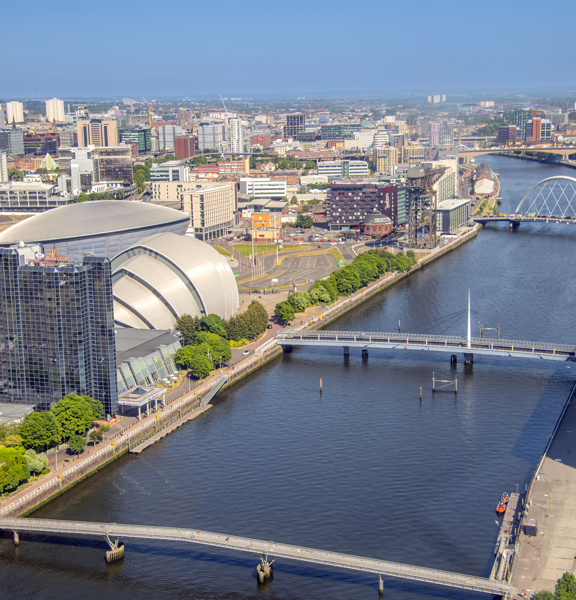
246,353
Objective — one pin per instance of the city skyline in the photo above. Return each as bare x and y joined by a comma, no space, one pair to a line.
449,47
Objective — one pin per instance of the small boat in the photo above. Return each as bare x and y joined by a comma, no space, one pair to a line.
501,508
505,498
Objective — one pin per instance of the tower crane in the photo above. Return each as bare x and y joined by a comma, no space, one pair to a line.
149,112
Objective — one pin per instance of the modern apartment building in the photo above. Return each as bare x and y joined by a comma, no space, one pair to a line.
210,135
12,141
56,328
3,166
2,118
69,138
235,136
263,187
14,112
384,158
211,210
507,135
55,111
166,135
96,132
538,130
341,169
433,134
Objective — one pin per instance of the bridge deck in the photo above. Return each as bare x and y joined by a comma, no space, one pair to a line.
271,549
423,342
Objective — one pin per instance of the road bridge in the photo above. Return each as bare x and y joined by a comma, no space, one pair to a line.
473,152
267,549
428,343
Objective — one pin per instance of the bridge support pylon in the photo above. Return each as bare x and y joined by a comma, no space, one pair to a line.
453,359
16,539
380,585
468,358
514,225
346,350
364,353
286,349
116,551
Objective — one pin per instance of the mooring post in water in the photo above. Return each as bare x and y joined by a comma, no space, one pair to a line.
346,350
420,393
320,385
16,539
433,382
380,585
399,326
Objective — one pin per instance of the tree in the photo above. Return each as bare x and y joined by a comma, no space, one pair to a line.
184,356
74,415
213,324
284,311
13,472
76,443
566,587
414,137
187,326
299,301
219,347
310,165
96,406
7,429
544,595
36,462
40,430
95,436
15,174
201,366
294,200
304,221
13,441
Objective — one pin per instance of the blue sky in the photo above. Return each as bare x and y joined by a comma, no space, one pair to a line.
189,48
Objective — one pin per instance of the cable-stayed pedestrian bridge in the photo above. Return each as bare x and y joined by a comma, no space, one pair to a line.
402,342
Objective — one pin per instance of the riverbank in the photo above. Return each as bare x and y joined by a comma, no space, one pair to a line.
92,461
547,161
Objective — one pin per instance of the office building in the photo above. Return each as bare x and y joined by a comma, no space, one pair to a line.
112,164
266,226
2,118
446,133
210,136
538,130
380,139
339,131
507,135
166,135
56,328
385,158
29,196
211,210
433,134
295,124
3,166
170,192
171,170
40,144
142,137
69,138
263,187
342,169
348,204
14,112
262,139
410,154
184,146
521,119
12,142
55,111
235,136
96,132
451,215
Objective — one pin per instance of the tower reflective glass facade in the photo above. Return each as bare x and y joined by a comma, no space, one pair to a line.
56,328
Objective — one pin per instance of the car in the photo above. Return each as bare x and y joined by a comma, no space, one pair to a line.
319,245
269,326
246,353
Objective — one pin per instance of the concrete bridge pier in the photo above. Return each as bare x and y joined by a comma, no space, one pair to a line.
364,353
16,539
380,585
468,358
453,359
346,350
287,349
514,225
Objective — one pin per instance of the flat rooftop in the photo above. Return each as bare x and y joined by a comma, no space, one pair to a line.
136,343
451,204
14,412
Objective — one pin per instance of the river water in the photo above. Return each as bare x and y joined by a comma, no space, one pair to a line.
366,468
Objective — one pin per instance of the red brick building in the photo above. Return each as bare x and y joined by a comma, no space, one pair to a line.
376,225
184,146
264,140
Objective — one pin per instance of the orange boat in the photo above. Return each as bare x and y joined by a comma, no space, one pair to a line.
501,508
505,498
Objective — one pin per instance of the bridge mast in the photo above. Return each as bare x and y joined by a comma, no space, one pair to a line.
469,336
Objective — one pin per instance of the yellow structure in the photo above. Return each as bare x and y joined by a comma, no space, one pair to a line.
266,226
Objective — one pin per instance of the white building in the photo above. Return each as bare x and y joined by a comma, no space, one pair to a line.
166,134
14,112
446,186
55,111
211,210
235,136
263,187
380,139
171,170
338,169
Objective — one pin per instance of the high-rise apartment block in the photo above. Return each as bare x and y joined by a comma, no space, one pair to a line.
434,134
166,135
295,124
55,111
184,146
446,133
384,158
2,118
14,112
235,135
56,328
3,166
210,135
96,132
521,118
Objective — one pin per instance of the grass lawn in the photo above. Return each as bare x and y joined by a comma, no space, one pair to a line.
337,254
224,251
263,249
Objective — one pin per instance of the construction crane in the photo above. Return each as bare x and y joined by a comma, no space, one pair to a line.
149,112
320,107
225,109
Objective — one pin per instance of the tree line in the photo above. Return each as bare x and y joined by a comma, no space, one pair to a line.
364,269
208,340
68,421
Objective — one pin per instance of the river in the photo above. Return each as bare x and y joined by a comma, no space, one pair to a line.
365,468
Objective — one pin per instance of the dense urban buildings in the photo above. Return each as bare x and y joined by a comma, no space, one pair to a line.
97,132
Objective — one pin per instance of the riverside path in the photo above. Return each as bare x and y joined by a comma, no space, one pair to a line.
266,549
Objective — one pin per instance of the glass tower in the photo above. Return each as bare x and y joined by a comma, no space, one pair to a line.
56,328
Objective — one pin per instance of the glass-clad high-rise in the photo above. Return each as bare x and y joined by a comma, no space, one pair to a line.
56,328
